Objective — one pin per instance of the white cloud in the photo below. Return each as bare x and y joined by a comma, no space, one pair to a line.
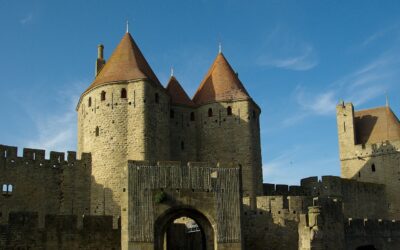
56,130
26,19
284,50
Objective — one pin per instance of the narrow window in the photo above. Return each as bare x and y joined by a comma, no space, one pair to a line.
182,145
4,188
344,126
90,101
97,131
10,188
210,112
254,114
192,116
373,167
171,113
359,174
156,98
229,111
103,96
123,93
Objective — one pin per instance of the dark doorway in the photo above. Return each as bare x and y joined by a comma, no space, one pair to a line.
183,229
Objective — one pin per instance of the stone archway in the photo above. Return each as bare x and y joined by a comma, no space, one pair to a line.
165,220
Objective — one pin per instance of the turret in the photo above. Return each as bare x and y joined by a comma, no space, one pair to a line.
182,123
123,115
228,124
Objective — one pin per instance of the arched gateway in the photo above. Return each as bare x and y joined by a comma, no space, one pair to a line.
154,196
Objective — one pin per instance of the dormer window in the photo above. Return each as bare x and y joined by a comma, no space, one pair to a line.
229,111
123,93
210,112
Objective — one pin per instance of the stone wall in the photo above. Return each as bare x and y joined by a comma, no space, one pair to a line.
359,199
382,234
47,186
274,224
59,232
183,141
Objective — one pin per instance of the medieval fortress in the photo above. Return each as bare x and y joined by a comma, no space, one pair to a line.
158,170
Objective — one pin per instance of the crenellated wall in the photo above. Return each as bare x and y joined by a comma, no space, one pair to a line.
359,199
382,234
47,186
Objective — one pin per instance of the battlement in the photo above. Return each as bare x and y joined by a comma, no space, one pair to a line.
368,225
9,157
279,189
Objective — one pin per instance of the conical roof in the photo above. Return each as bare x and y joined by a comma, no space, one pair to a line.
177,93
376,125
126,63
220,84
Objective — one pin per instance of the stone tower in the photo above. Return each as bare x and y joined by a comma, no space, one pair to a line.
368,148
183,142
227,121
124,114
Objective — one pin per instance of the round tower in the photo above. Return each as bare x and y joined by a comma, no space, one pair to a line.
228,124
122,116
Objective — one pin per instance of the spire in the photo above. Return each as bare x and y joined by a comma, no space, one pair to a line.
177,93
126,63
387,100
220,84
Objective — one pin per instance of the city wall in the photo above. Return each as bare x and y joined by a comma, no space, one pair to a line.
31,182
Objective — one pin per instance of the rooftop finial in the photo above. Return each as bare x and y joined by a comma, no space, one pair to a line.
127,26
220,47
172,71
387,99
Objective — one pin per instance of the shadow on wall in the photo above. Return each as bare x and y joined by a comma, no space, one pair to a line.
364,126
262,231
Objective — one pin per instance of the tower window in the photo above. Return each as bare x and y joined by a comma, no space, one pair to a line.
90,101
171,113
254,114
229,111
359,174
123,93
97,131
7,189
182,145
210,113
373,167
192,116
156,98
103,96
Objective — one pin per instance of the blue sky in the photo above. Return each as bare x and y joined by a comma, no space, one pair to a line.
296,59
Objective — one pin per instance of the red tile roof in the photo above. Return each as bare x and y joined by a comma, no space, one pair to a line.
376,125
177,93
126,63
220,84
